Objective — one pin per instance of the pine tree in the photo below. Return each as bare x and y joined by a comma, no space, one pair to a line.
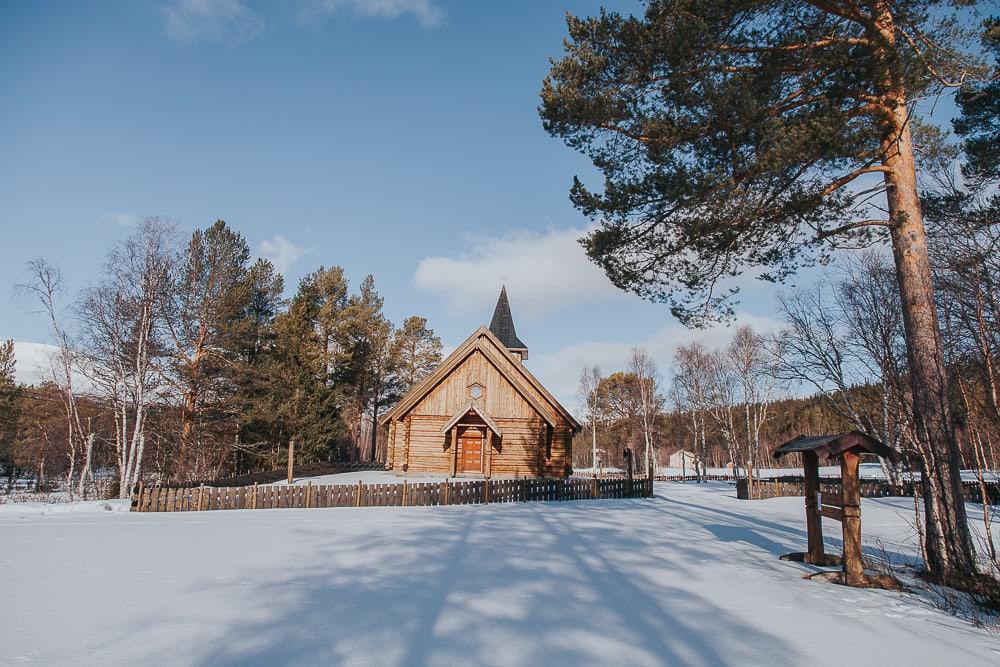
10,399
419,351
979,121
363,332
213,323
302,401
739,135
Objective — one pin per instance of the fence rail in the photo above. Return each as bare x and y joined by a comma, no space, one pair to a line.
795,486
173,499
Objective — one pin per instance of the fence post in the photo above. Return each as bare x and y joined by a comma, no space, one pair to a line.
138,502
309,490
447,492
593,488
201,498
254,495
357,495
404,493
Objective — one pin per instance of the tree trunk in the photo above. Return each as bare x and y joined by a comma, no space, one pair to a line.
88,454
950,548
374,429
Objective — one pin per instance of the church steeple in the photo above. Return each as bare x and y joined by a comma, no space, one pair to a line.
502,327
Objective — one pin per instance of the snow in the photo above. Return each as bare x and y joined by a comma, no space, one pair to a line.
866,471
34,363
689,577
36,509
370,477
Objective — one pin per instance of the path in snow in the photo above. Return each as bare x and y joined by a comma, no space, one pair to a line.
690,577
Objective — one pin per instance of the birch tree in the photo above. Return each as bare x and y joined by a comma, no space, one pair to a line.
747,357
691,390
589,393
124,329
42,289
650,405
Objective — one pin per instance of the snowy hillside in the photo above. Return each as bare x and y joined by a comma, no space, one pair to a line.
34,361
691,577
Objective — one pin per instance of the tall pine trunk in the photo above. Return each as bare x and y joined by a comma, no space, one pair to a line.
949,545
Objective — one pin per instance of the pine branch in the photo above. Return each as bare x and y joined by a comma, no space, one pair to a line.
826,233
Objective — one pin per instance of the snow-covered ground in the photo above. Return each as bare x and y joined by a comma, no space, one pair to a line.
689,577
372,477
867,471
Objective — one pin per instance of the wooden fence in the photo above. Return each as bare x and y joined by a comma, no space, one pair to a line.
795,486
172,499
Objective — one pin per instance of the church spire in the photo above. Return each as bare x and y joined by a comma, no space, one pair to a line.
502,326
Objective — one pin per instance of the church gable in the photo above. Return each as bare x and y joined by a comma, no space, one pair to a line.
507,389
482,412
478,374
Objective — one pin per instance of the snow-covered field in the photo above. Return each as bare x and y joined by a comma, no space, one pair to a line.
690,577
371,477
867,471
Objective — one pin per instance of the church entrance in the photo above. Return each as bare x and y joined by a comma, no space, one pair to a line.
470,450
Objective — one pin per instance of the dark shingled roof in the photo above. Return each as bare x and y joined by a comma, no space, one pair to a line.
502,324
828,446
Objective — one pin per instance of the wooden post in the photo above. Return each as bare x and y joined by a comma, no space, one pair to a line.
138,502
447,493
291,460
309,490
254,495
594,488
406,444
201,498
628,470
357,495
404,493
454,450
814,520
489,453
854,569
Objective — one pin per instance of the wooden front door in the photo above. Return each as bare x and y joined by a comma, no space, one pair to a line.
470,450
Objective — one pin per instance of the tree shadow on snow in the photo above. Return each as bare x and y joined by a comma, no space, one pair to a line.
525,584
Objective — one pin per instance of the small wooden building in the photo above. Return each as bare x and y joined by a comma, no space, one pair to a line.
481,412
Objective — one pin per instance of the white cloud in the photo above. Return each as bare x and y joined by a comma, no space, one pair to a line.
425,12
560,371
544,271
227,21
118,219
281,252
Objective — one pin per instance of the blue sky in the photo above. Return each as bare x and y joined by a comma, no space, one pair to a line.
392,137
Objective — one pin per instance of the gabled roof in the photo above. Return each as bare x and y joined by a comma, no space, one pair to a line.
502,324
828,446
484,341
472,407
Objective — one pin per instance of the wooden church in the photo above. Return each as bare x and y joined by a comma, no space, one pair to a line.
482,413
